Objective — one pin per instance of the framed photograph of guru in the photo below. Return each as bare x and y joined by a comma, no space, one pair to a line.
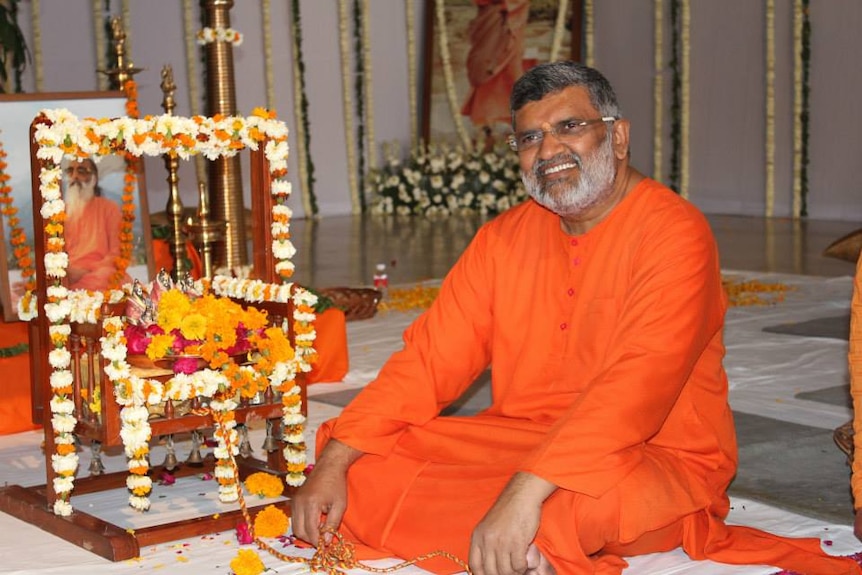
104,180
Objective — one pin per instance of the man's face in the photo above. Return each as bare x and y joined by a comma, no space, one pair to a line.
81,178
569,174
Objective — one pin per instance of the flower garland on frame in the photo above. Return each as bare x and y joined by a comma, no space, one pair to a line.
589,33
66,136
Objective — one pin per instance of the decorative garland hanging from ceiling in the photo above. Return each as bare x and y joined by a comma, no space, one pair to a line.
269,78
38,60
675,97
347,105
99,37
369,84
658,89
769,193
410,17
589,34
801,112
300,108
360,85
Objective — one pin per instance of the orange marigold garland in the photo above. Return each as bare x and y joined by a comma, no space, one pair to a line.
130,184
17,236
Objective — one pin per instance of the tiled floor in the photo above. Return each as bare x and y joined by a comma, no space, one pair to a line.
343,250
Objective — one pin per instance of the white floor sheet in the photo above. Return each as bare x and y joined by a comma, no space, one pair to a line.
765,370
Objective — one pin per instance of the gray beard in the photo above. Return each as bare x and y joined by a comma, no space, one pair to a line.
77,196
565,198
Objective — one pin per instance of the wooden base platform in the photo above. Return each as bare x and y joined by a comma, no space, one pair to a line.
114,542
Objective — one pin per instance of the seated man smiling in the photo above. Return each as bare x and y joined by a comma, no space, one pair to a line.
599,306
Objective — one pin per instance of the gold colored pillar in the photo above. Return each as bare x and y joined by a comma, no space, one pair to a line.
224,174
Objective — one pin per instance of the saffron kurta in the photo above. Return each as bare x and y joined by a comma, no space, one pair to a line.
606,357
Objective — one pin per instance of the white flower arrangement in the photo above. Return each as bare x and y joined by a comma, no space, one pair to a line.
441,181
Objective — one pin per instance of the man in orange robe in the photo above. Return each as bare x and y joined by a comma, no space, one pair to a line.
599,307
92,229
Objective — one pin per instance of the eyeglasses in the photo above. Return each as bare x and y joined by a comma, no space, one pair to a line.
565,131
82,170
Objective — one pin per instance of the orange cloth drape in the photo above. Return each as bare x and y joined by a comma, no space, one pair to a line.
15,407
331,347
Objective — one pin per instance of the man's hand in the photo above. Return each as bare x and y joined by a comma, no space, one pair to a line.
501,540
323,494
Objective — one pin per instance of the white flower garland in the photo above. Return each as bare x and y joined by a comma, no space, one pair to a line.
189,24
67,136
369,85
99,37
448,77
126,14
797,108
658,90
589,34
209,35
347,102
410,12
559,30
770,109
299,119
38,60
269,78
685,116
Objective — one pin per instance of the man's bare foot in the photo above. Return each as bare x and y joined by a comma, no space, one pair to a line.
538,564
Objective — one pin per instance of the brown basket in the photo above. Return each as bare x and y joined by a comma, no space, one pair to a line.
843,437
356,303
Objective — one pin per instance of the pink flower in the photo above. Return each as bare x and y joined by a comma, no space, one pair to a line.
243,534
185,365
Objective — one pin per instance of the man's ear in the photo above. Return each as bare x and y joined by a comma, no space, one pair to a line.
621,138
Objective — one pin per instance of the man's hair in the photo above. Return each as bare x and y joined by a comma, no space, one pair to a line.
554,77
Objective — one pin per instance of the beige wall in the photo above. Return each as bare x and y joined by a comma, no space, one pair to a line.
727,90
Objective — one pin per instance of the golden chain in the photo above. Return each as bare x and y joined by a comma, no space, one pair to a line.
336,556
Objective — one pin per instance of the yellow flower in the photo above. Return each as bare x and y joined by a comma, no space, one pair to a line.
264,485
173,306
159,345
271,522
193,326
247,562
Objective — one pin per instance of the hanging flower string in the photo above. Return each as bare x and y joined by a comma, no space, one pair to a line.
300,107
347,106
209,35
130,179
410,16
658,90
65,136
17,236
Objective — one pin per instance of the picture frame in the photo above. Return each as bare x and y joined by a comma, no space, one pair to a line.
17,112
507,38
